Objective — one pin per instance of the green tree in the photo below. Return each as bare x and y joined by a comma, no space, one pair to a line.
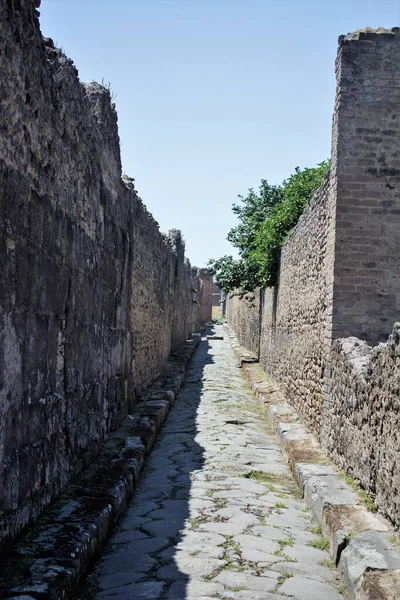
265,221
252,210
273,232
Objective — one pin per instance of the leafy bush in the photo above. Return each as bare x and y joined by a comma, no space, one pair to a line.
265,221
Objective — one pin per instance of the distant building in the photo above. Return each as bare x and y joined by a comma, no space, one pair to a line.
206,296
216,301
216,295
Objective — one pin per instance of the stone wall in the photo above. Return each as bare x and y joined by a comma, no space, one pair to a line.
206,296
291,340
339,278
92,296
294,339
243,315
363,430
196,299
216,294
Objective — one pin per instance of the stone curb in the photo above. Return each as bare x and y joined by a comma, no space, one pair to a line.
52,558
360,540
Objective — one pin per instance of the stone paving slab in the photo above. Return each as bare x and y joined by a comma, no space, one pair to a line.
299,587
220,512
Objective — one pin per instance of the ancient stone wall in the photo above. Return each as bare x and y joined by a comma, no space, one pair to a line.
196,299
243,315
340,277
206,282
363,430
293,340
92,295
216,294
365,143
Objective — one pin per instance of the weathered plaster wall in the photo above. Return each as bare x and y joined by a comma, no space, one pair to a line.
366,144
92,296
363,430
196,298
206,296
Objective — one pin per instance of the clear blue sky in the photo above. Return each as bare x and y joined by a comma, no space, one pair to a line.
212,95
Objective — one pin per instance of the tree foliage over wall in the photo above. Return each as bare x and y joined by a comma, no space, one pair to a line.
266,218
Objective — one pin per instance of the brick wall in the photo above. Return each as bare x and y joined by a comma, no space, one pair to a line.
363,429
243,315
216,295
196,299
292,340
366,143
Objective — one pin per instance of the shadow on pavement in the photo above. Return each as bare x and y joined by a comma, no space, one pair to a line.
140,561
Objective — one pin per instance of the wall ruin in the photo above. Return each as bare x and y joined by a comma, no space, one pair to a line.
363,430
92,295
296,314
206,296
244,317
339,280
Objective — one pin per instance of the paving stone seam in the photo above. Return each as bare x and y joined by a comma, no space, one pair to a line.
52,558
362,543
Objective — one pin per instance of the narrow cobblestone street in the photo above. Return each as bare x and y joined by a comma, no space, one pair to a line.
217,514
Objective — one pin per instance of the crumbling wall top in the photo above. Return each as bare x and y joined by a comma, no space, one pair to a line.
369,34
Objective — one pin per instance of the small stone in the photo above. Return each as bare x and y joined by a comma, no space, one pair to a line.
262,544
195,566
128,536
251,582
308,589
